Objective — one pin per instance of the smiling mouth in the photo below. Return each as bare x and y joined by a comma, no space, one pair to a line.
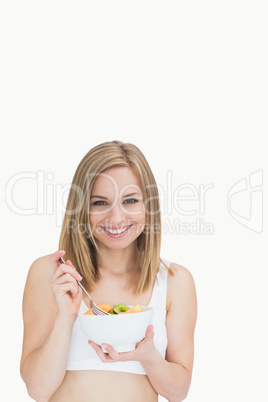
116,231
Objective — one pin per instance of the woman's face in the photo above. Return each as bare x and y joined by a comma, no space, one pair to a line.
117,210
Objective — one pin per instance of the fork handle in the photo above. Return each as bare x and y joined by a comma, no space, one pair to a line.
81,286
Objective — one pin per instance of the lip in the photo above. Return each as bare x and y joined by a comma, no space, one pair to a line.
119,234
115,227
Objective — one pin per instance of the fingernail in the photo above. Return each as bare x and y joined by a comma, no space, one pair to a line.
79,277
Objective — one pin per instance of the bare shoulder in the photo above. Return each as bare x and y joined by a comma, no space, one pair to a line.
180,284
179,273
41,267
37,287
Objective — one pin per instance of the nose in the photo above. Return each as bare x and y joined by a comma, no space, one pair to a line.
116,215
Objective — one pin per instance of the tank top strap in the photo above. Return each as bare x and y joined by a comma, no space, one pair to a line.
159,295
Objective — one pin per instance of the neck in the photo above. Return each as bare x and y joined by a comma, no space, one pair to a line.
117,262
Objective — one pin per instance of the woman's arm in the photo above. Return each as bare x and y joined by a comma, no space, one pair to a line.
44,369
49,313
170,380
171,377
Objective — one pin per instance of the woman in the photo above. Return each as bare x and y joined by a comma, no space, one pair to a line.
111,236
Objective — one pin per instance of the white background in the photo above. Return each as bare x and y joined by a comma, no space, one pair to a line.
187,83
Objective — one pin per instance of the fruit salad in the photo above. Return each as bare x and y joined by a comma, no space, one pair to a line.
117,309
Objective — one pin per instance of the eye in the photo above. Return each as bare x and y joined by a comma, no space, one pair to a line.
131,201
99,203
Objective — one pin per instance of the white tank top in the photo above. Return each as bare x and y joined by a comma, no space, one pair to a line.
83,357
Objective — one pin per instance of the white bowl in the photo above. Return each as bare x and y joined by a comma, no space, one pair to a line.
121,331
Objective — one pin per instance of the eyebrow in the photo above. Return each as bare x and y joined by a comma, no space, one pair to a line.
104,198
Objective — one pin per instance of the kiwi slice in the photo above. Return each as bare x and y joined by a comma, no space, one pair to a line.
111,311
119,308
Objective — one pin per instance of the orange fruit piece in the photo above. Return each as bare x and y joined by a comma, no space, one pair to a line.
89,312
105,307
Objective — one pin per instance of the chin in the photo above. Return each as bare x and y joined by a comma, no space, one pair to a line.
116,244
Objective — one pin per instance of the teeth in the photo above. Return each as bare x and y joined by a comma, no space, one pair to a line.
116,231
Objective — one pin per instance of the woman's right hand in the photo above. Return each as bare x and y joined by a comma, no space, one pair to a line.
67,292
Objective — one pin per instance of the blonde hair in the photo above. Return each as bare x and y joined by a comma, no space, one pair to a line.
80,245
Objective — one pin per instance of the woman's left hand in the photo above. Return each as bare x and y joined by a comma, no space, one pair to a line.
143,351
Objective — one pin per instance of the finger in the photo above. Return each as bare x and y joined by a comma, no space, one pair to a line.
122,356
65,279
103,356
54,258
114,355
150,331
148,335
111,355
63,269
67,287
68,262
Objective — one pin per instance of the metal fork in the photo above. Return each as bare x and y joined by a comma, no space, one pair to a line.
95,309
